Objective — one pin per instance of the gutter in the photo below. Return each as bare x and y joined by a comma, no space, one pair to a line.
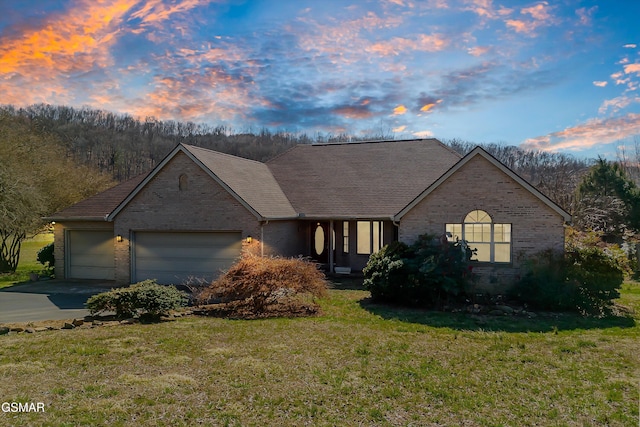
76,218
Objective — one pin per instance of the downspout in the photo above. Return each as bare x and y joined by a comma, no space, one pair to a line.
331,244
397,230
262,224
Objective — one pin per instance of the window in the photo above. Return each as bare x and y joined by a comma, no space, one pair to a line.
492,241
318,240
345,237
183,182
370,237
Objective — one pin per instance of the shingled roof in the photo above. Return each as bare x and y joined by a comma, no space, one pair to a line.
345,180
250,180
360,179
98,207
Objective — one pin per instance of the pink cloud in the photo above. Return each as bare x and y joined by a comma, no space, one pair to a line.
479,50
540,16
397,45
600,83
589,134
157,11
618,103
423,134
539,12
632,68
486,9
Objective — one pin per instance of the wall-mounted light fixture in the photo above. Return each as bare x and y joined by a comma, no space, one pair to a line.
249,239
118,238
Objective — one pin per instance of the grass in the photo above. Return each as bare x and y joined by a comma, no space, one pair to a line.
28,260
358,364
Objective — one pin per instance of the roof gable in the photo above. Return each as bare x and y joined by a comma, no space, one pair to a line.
248,181
361,179
479,151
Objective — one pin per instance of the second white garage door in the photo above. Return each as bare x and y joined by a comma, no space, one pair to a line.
175,257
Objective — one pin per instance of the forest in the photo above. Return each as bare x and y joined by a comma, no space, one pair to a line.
44,148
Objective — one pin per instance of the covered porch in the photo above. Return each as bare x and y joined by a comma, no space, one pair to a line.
343,246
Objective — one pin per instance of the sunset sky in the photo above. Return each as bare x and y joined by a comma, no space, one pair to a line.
550,75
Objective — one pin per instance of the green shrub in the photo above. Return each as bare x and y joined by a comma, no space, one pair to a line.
145,298
429,272
597,276
46,258
544,284
584,279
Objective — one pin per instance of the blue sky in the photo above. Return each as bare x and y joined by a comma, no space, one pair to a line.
546,75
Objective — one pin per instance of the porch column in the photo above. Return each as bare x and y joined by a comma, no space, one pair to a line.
331,244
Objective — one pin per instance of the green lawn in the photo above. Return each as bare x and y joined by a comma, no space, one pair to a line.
358,364
28,262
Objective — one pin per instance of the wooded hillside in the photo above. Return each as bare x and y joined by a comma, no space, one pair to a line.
125,147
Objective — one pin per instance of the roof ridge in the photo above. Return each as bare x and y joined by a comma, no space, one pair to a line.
371,141
190,147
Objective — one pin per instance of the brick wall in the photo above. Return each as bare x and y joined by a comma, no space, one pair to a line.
201,205
284,238
480,185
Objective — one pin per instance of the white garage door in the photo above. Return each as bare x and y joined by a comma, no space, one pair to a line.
90,255
172,258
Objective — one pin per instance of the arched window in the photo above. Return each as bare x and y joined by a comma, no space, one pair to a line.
183,182
492,241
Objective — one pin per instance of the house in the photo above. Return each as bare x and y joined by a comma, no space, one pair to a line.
198,209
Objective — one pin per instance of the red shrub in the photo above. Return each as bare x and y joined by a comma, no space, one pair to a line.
266,287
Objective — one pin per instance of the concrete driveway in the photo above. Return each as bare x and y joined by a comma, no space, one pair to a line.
48,300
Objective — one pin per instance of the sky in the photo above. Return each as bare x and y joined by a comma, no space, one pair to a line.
561,76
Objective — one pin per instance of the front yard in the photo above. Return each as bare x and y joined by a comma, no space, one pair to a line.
358,364
28,260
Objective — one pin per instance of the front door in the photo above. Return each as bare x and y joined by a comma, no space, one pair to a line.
320,242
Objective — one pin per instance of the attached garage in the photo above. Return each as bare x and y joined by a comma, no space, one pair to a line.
174,257
90,254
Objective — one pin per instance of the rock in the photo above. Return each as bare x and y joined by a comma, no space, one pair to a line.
4,330
96,323
42,329
111,323
68,325
531,314
77,322
30,330
130,321
505,309
496,313
17,329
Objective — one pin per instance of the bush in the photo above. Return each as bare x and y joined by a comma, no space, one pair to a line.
429,272
598,278
585,279
146,298
266,287
46,258
545,285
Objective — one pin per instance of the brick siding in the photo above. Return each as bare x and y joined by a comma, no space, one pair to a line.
480,185
161,205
